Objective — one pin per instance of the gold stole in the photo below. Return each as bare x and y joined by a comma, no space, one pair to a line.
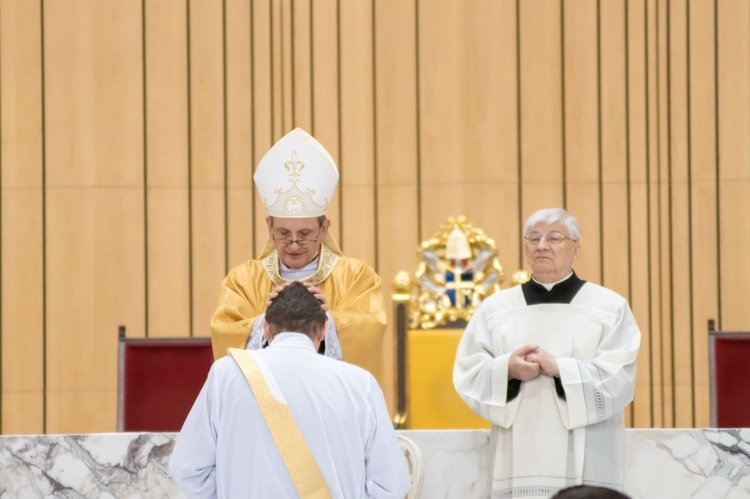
326,261
299,461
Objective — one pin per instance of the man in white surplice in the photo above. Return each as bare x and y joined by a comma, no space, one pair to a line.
225,448
551,364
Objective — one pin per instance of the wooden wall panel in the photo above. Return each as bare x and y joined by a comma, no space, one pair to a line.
680,207
442,123
239,139
471,146
302,104
262,112
702,133
491,118
652,177
734,160
541,105
166,170
277,70
88,236
22,220
22,306
287,65
581,128
638,155
614,165
634,115
119,261
119,274
612,160
207,161
326,88
357,163
396,148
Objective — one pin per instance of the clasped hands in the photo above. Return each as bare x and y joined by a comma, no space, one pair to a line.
530,361
311,288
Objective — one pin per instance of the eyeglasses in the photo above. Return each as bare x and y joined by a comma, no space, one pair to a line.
303,241
552,238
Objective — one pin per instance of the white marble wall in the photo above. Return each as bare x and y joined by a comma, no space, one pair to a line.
116,465
661,464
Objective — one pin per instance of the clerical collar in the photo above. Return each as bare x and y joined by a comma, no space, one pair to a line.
560,292
289,274
551,285
300,340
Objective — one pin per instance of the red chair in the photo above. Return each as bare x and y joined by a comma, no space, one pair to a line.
729,363
158,381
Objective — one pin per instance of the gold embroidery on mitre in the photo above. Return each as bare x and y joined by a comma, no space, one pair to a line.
327,260
295,201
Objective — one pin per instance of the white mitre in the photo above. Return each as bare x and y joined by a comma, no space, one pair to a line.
296,178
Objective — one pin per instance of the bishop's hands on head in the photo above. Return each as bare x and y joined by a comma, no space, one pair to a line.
296,180
312,289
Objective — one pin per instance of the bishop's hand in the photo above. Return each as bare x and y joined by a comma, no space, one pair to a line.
311,288
318,295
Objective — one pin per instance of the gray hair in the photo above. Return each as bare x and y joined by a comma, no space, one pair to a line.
550,216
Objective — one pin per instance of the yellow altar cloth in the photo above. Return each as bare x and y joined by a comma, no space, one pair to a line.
433,402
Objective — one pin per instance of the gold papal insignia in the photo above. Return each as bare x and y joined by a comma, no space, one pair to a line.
458,268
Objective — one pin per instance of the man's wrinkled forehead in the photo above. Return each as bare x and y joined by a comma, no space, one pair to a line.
295,223
557,226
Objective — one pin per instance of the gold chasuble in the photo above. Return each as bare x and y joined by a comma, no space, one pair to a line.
352,291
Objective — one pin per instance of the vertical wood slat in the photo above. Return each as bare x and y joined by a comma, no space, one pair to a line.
664,172
286,60
277,70
239,140
490,122
262,119
541,105
734,160
638,140
302,104
167,205
207,165
679,211
613,160
325,96
703,264
441,118
357,161
653,197
396,143
21,235
581,128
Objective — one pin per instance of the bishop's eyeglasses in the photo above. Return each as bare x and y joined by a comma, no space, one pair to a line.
553,238
302,241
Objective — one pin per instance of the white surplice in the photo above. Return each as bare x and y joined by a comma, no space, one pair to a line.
225,449
541,441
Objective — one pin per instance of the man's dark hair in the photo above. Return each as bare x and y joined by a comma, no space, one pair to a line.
589,492
295,310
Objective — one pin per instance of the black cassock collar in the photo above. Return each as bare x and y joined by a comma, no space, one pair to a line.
562,292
